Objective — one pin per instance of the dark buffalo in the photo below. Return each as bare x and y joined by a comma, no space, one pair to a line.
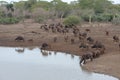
55,39
85,56
90,40
30,40
107,33
19,38
45,46
51,26
43,26
83,34
66,38
115,38
96,53
83,45
98,45
87,30
72,41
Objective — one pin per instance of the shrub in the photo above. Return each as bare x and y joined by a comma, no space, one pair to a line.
39,19
99,17
85,18
103,18
9,20
71,20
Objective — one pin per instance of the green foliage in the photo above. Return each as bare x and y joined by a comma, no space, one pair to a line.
10,7
71,20
2,14
85,18
42,4
84,4
99,6
99,18
39,19
61,8
103,18
9,15
87,10
8,20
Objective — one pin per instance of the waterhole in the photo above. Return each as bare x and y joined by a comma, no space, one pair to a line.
31,64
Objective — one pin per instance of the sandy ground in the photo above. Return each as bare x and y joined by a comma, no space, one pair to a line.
108,63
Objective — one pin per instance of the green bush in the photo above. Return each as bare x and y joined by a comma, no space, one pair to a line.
39,19
8,20
85,18
103,18
71,20
98,18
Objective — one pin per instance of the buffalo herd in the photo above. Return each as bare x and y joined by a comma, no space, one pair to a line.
92,48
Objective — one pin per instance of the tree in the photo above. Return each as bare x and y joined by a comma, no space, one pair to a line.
101,5
87,14
85,4
98,6
61,8
42,4
75,9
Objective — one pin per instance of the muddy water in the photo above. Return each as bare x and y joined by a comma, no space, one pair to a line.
31,64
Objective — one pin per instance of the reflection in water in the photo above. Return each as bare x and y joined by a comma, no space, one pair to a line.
20,50
72,56
31,48
33,66
45,53
50,53
55,52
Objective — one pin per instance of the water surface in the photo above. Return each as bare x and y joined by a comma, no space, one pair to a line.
31,64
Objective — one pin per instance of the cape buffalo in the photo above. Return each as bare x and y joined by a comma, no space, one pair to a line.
115,38
19,38
45,46
85,56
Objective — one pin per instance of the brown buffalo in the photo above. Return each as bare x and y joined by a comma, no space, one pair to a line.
98,45
84,46
115,38
55,39
107,33
45,46
19,38
66,38
96,53
90,40
87,30
86,56
72,41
